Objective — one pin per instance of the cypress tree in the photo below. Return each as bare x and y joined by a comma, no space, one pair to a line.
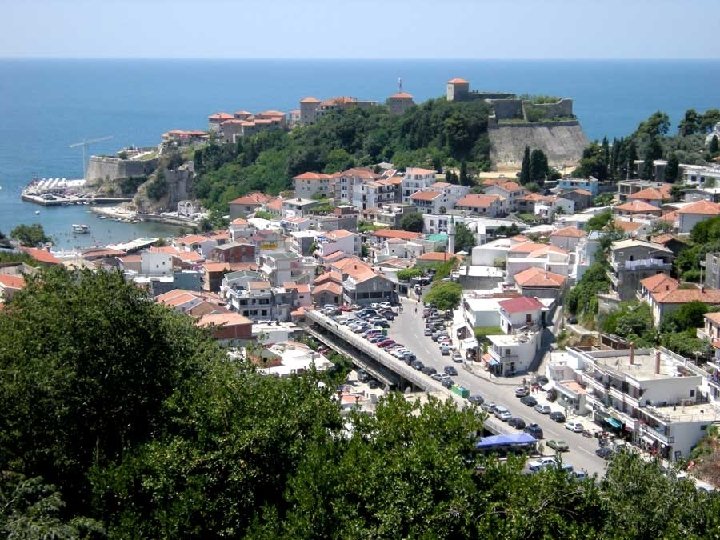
713,147
672,168
525,170
538,166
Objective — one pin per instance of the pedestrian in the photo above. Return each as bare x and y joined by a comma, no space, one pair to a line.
415,309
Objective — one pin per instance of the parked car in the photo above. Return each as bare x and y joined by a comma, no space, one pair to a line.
574,426
476,399
534,430
521,391
386,343
517,422
447,382
529,401
436,377
543,409
418,365
500,409
373,384
444,349
450,370
457,357
580,475
428,331
488,406
605,452
558,446
409,356
540,464
428,370
557,416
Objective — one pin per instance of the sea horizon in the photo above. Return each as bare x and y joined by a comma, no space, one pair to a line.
49,103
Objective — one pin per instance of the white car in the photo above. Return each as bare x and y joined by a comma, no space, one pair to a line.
542,463
574,426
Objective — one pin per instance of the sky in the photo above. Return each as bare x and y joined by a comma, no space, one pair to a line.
498,29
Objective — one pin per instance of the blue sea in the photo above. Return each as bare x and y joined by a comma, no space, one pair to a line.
47,105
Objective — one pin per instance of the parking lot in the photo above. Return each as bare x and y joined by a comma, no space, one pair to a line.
409,328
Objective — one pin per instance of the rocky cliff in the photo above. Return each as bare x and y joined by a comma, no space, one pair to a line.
562,142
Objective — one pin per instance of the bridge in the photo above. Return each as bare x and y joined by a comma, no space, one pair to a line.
382,365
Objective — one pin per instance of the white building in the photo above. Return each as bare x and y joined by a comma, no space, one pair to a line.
344,241
515,351
416,179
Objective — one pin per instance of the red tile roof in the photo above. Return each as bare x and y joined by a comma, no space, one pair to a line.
683,296
627,226
401,95
425,195
457,80
520,304
659,282
537,277
640,207
648,194
11,281
251,198
41,255
435,256
527,247
312,176
309,99
396,233
330,286
569,232
223,319
473,200
704,208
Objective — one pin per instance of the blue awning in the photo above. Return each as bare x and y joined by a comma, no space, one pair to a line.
493,362
617,424
509,439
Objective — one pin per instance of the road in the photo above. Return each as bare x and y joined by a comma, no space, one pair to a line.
408,329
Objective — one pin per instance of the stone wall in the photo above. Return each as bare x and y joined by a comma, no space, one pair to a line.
562,142
101,168
559,109
507,108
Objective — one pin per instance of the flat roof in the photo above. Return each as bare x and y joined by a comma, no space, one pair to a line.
643,367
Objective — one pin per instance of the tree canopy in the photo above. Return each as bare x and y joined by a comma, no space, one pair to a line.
444,294
464,238
30,235
412,221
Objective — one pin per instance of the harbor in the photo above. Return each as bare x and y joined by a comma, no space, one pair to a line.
64,192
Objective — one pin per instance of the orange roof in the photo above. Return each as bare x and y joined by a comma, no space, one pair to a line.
360,172
537,277
510,187
176,297
312,176
473,200
627,226
705,208
239,221
640,207
659,282
535,197
216,266
252,198
581,191
220,116
520,238
569,232
457,80
328,276
192,239
309,99
41,255
664,238
275,205
420,170
330,286
649,194
131,259
258,285
392,181
301,288
401,95
435,256
223,319
527,247
396,233
683,296
10,281
338,234
714,317
425,195
543,251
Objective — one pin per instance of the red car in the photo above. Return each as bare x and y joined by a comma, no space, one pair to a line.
386,343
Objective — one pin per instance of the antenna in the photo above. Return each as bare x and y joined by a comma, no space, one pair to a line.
85,143
399,84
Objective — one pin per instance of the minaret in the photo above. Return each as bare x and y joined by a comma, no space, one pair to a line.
451,236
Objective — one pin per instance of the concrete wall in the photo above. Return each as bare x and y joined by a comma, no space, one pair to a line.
101,168
507,108
562,142
562,108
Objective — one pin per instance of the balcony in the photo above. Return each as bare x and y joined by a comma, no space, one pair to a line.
645,263
623,397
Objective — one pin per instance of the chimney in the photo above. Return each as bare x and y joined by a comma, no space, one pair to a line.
632,353
657,362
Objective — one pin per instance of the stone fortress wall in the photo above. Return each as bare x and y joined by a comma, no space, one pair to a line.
515,123
101,168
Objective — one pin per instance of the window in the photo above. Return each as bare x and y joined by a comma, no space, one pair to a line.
692,393
528,317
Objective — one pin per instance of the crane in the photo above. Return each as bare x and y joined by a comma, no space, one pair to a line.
85,143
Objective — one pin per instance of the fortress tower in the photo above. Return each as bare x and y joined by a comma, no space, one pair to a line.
401,101
458,89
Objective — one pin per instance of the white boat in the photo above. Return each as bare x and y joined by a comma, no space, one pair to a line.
80,229
37,212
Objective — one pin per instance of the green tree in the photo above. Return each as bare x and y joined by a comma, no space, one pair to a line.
672,169
690,124
687,317
525,169
539,168
29,235
632,320
713,146
412,221
709,119
464,238
339,160
87,387
582,298
599,221
444,295
409,273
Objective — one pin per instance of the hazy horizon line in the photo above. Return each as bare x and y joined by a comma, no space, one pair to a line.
365,59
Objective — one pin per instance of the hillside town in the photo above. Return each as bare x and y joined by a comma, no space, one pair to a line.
354,263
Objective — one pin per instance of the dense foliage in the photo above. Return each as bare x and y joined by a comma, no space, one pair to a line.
651,140
119,419
582,298
444,295
412,221
30,235
464,238
435,134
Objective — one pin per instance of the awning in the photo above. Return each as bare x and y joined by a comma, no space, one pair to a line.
493,362
647,440
614,422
